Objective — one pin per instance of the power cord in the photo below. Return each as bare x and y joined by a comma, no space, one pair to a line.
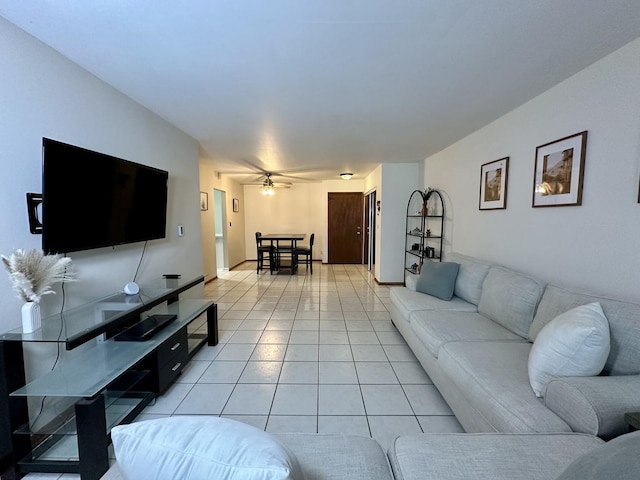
144,249
62,326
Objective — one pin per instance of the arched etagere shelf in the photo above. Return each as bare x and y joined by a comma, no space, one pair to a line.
424,229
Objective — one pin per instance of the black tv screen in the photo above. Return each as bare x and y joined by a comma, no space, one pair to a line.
92,200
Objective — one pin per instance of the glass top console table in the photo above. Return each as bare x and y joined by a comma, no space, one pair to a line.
106,382
77,325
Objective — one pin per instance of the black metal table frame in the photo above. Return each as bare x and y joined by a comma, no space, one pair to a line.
285,237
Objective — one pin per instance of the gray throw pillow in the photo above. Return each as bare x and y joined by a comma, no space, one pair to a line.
438,279
617,460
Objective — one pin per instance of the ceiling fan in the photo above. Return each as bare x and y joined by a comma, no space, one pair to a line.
268,185
267,178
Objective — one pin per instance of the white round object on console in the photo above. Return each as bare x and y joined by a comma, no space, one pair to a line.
131,288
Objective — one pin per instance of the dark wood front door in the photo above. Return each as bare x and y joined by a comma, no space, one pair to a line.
345,227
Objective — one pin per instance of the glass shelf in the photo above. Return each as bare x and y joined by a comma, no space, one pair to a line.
87,372
80,324
61,444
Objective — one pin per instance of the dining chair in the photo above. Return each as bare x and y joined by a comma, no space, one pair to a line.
307,253
266,253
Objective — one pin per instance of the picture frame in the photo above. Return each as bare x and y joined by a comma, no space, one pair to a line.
204,201
493,185
236,205
559,172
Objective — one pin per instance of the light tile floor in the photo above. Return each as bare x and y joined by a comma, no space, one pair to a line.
306,353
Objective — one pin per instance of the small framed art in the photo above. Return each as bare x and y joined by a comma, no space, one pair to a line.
493,184
236,205
204,201
559,172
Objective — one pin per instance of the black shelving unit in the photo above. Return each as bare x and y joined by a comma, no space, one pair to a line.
104,383
424,229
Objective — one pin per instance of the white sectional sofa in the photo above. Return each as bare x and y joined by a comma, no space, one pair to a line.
476,347
189,453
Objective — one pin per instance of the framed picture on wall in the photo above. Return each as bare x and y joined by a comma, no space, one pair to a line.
559,172
493,184
204,201
236,205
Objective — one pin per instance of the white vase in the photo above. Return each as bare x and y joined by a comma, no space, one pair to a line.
31,319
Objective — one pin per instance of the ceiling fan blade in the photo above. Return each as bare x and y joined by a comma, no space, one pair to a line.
302,179
252,163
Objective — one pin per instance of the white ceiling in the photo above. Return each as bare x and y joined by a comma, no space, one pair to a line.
329,85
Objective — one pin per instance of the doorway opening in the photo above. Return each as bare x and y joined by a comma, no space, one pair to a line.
370,230
222,250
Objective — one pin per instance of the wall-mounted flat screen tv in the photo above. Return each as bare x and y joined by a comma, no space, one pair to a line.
92,200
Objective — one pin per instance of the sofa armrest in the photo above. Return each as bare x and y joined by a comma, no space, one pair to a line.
595,405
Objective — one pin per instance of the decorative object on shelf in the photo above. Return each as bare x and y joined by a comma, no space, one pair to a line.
31,317
415,246
431,252
414,267
204,201
427,233
32,274
559,172
236,205
416,231
493,184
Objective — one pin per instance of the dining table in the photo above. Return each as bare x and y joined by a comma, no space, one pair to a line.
285,247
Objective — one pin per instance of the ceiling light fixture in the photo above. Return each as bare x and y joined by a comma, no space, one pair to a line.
267,185
346,175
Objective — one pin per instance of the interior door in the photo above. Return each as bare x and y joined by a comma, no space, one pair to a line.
345,227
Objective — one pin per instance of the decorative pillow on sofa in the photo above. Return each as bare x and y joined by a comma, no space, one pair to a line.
574,344
438,279
201,448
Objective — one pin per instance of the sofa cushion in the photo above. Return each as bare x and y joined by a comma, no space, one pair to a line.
510,298
435,328
470,276
338,457
617,459
624,325
487,455
493,377
407,301
438,279
574,344
201,448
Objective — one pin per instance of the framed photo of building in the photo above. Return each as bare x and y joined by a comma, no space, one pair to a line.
493,184
559,172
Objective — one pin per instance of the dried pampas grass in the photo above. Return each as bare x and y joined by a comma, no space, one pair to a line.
33,273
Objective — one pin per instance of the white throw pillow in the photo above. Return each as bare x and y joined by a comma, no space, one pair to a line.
574,344
201,448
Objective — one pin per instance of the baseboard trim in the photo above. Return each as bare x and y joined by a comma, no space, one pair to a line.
392,284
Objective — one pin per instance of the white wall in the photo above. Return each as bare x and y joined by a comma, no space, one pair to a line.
42,94
591,247
398,180
235,220
298,209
